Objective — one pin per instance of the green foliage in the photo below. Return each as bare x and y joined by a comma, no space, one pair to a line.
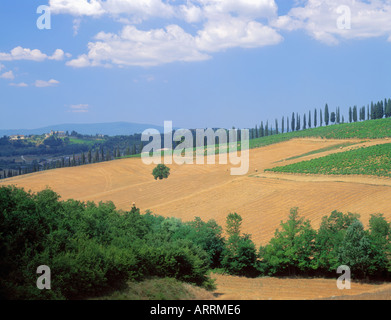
94,249
340,240
291,249
208,235
373,129
337,146
161,172
239,255
234,222
379,237
328,239
375,160
156,289
355,250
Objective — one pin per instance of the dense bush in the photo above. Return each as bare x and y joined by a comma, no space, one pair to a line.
161,172
92,249
297,249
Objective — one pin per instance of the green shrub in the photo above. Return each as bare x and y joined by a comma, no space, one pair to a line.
161,172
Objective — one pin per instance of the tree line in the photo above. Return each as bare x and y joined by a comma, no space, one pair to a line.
94,249
82,153
320,117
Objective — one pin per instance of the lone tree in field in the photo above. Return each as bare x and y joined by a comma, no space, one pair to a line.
161,172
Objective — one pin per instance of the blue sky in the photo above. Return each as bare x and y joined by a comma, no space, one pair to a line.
199,63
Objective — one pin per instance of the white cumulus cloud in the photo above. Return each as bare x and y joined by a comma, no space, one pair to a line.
214,26
21,84
43,83
9,75
20,53
142,48
319,18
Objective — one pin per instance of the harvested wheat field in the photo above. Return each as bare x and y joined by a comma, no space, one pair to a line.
237,288
210,192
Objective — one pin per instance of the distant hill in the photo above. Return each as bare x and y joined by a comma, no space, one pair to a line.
110,129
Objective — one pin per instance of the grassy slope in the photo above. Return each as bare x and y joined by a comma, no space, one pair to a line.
160,289
337,146
374,160
370,129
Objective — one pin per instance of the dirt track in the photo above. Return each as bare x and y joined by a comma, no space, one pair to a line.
239,288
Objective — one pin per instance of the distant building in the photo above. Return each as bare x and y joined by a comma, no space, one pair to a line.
57,133
17,137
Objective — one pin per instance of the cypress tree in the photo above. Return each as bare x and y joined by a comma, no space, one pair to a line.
355,113
373,113
304,122
321,117
309,119
326,115
350,115
282,125
261,130
298,122
96,157
388,109
89,156
338,116
293,122
332,117
380,110
315,118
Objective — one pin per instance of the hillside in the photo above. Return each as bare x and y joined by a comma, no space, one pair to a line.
370,129
210,192
263,199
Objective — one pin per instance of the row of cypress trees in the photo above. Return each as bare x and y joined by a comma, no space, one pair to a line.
321,117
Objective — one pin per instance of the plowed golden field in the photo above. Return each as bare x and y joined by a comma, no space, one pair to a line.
210,192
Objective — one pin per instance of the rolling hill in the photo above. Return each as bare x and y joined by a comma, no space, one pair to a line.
110,129
262,198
